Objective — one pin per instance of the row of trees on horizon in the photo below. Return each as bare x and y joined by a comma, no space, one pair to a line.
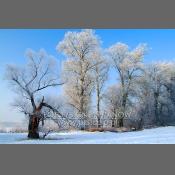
145,91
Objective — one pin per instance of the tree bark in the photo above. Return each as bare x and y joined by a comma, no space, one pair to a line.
120,122
33,132
113,122
156,113
98,115
124,101
99,123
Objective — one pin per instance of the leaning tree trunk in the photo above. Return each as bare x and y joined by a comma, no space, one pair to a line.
33,131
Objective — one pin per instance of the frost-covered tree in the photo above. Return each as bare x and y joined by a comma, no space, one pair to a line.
127,64
153,91
113,101
79,48
100,73
31,82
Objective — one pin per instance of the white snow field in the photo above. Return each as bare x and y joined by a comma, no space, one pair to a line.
162,135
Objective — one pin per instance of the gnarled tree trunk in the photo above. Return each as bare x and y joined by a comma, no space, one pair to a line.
33,131
34,120
36,117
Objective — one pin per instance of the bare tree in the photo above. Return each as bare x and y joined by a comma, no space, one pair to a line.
127,64
79,48
30,82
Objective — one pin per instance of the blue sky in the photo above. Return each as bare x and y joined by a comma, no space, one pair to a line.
14,42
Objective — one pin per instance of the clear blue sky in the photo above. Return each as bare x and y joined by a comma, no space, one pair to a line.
14,42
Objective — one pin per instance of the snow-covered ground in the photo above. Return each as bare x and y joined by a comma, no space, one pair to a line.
163,135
